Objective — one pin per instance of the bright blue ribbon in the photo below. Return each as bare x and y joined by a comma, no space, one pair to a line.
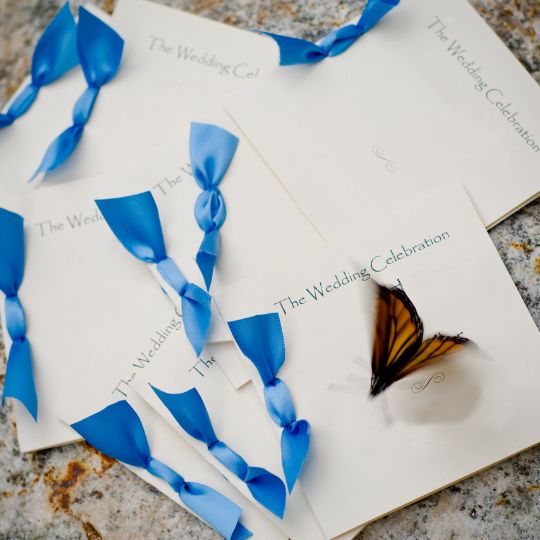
19,380
211,151
300,51
260,338
54,55
117,431
190,412
134,220
100,52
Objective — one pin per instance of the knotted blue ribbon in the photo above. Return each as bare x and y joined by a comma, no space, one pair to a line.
300,51
117,431
54,55
190,412
211,151
100,52
134,220
260,338
19,380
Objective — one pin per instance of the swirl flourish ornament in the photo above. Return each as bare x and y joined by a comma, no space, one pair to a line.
436,378
389,165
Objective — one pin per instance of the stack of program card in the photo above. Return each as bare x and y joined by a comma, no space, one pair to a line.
382,165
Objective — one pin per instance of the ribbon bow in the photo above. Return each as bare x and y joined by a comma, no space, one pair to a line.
300,51
134,220
100,52
54,55
260,338
117,431
19,381
211,151
190,412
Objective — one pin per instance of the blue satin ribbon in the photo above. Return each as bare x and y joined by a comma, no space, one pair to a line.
190,412
260,338
211,150
100,52
134,220
300,51
117,431
54,55
19,380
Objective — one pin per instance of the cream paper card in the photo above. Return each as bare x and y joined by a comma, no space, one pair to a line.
164,48
99,385
429,97
237,415
372,456
79,279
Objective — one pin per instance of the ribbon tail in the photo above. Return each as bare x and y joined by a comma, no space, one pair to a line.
374,11
207,255
294,449
196,315
216,509
59,150
267,489
6,120
296,51
19,382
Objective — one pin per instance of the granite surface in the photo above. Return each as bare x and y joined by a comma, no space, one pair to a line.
74,492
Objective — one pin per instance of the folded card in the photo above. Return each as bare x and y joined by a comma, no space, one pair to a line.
237,417
164,48
429,97
372,455
79,279
104,381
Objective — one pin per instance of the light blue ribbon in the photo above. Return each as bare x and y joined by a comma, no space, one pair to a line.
117,431
100,52
190,412
260,338
54,55
134,220
300,51
211,151
19,380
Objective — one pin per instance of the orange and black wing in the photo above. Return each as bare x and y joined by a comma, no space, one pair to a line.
430,350
398,334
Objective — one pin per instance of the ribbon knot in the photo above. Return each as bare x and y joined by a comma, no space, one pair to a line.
134,220
117,431
189,410
211,151
100,52
260,338
300,51
19,381
54,55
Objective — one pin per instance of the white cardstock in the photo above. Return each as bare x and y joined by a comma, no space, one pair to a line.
237,416
79,278
430,97
100,385
164,48
371,456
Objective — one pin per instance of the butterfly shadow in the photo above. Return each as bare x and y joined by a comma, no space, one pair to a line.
447,393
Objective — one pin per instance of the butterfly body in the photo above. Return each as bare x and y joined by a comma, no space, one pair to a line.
399,347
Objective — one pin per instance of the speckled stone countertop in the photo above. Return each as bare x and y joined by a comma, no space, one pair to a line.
73,492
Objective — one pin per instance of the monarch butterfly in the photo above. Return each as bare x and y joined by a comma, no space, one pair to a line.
399,347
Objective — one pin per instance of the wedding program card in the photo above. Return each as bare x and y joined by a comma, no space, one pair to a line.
79,271
429,97
237,416
371,456
164,49
104,380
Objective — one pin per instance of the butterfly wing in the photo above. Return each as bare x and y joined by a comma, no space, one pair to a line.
431,350
398,334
